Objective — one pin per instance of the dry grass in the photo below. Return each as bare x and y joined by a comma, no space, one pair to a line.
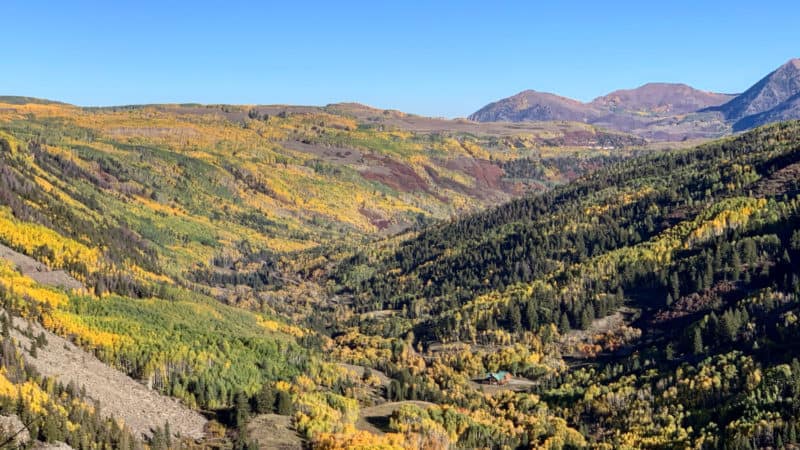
274,432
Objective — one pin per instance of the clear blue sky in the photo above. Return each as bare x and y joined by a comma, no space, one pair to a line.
430,57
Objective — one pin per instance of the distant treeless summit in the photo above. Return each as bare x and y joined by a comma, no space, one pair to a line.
661,111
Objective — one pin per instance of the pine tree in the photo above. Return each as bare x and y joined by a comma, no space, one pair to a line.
697,342
284,405
586,318
736,265
241,410
563,324
675,286
669,352
168,435
708,274
265,400
515,317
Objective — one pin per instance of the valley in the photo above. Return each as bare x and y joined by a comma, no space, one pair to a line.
406,225
342,277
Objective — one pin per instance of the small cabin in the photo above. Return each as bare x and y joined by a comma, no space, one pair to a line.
501,377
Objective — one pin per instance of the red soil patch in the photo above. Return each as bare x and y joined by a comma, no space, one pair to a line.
374,218
397,176
486,174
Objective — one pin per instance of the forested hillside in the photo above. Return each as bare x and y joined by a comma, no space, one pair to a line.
691,255
239,260
137,225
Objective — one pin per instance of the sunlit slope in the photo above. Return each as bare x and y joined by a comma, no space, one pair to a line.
160,189
570,255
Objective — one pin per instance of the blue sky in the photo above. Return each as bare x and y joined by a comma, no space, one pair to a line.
437,58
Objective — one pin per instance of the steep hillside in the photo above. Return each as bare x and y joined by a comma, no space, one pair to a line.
303,174
669,283
787,110
768,93
139,408
547,237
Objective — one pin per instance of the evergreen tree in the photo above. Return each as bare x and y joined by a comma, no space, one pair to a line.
563,323
264,400
675,286
697,342
284,405
241,410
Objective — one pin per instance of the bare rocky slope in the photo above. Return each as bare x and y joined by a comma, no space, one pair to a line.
772,90
38,271
139,408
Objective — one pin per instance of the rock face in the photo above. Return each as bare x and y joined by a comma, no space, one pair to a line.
788,110
663,111
12,425
772,90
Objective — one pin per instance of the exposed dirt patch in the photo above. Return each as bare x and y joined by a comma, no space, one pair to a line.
9,425
396,175
375,218
375,419
50,446
141,409
516,384
38,271
337,155
274,432
696,302
447,183
784,180
154,132
606,334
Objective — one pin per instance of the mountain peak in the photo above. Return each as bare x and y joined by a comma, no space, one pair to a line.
772,90
793,63
530,105
659,97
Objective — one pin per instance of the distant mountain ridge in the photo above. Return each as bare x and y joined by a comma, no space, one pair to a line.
663,111
534,105
660,97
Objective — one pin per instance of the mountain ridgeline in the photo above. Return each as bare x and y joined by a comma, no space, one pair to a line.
663,111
